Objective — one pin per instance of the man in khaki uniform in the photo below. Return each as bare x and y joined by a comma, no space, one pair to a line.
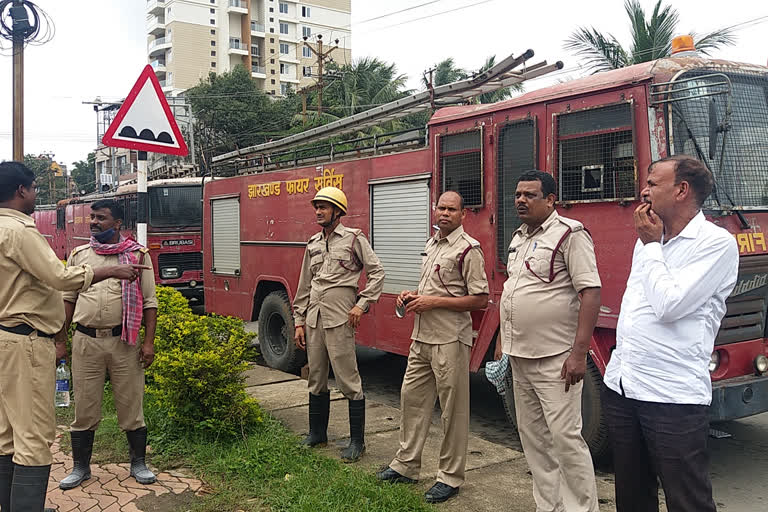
31,312
108,318
328,304
452,283
548,311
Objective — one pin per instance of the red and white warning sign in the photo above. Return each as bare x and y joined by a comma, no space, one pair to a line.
145,121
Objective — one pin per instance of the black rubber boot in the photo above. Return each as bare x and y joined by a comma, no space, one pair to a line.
6,478
319,410
354,451
82,448
137,441
30,484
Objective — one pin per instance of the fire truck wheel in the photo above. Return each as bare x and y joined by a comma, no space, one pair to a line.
276,334
594,428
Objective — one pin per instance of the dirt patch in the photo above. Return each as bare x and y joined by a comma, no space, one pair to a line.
168,502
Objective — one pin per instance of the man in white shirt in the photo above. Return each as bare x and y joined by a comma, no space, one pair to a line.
658,384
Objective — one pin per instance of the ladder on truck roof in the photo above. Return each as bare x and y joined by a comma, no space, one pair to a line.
497,77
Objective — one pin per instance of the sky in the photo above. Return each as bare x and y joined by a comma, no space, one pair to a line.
99,49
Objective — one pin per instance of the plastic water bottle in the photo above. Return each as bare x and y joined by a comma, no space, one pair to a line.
62,384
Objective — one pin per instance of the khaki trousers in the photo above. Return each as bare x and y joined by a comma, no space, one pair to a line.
91,358
549,422
27,386
337,347
435,371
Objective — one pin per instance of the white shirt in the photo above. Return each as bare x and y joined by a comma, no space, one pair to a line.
670,315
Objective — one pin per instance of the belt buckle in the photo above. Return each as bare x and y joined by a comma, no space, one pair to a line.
103,333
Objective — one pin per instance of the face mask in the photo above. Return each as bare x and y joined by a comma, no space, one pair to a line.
105,236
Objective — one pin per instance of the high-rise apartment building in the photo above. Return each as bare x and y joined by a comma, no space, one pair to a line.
188,39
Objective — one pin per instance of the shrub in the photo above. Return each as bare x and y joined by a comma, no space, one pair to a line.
196,378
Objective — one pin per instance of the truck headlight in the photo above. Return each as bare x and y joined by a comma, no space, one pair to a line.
714,361
761,364
170,272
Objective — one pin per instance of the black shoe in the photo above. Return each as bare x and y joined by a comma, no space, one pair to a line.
440,492
319,410
354,451
30,484
137,442
82,448
392,476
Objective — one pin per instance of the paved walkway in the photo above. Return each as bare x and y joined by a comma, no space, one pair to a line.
110,488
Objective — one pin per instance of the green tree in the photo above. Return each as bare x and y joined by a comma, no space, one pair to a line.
84,174
651,39
444,72
498,94
50,188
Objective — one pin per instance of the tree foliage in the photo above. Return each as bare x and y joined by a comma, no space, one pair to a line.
651,39
84,174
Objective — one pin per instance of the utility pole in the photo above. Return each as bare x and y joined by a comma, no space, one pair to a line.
21,28
321,56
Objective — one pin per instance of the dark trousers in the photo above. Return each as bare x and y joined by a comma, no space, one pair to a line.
651,440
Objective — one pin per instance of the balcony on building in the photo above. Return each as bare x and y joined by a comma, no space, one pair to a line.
238,6
257,28
156,25
155,7
159,66
289,78
258,71
157,46
237,47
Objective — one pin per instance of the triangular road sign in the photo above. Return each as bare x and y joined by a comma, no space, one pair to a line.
145,122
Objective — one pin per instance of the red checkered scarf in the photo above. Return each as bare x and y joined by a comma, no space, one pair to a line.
133,300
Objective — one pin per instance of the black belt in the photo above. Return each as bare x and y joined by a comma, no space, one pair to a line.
100,333
25,330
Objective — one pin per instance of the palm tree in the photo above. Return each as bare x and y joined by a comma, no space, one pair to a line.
498,94
651,39
444,72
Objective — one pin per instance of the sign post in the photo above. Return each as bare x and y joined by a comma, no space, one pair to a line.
145,123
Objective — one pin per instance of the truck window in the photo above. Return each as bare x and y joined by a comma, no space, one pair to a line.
595,154
461,166
516,154
61,218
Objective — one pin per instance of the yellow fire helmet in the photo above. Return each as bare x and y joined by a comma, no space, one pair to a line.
334,196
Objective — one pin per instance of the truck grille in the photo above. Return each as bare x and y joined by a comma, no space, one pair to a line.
184,260
746,307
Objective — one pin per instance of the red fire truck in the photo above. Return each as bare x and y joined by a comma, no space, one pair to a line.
173,229
596,135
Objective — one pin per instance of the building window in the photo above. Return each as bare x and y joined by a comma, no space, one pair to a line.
271,9
284,88
213,64
213,43
461,166
273,80
283,8
306,31
283,28
213,11
306,70
284,48
282,68
271,50
271,20
271,39
272,72
306,52
255,50
213,53
213,22
596,158
304,12
213,31
272,30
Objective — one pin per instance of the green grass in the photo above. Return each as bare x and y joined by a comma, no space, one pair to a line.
265,471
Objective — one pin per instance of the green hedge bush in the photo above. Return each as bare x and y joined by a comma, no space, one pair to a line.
196,378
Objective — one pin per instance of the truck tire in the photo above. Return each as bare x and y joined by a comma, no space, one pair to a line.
594,428
276,334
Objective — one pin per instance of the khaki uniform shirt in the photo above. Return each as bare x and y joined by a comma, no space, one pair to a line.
329,276
32,275
441,277
538,313
101,306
